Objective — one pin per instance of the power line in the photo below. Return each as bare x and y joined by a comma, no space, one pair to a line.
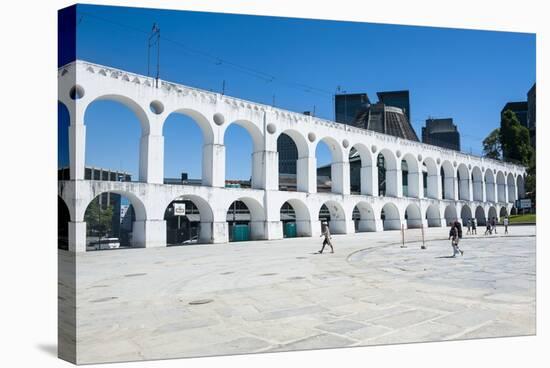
216,60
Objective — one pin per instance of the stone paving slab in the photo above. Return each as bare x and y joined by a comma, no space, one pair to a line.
279,295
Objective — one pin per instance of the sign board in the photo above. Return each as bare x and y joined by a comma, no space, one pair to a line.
523,203
179,209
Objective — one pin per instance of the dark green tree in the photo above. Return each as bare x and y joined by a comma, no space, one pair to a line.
99,220
531,180
491,145
514,139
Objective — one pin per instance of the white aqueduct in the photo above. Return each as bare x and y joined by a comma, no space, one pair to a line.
473,186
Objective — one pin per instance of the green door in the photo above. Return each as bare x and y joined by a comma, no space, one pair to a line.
290,230
240,233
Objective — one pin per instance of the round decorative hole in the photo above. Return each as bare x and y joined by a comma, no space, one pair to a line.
77,92
438,161
419,158
345,143
271,128
311,136
398,153
218,119
454,163
156,107
374,148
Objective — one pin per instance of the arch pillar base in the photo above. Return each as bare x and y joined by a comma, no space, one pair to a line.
77,236
315,226
369,225
273,230
219,232
149,234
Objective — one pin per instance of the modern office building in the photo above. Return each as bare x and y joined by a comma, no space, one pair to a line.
442,133
348,106
520,109
388,120
396,99
532,114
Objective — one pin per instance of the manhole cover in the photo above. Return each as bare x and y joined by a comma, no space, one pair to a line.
201,301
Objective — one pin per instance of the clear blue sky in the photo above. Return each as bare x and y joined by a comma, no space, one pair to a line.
466,75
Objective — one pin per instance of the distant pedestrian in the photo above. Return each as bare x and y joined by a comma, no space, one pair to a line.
458,226
474,226
326,241
488,229
453,235
469,223
506,222
494,224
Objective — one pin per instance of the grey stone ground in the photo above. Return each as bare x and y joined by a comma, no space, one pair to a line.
279,296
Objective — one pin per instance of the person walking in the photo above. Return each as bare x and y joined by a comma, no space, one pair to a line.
469,223
474,226
494,224
453,236
488,229
458,226
506,222
326,241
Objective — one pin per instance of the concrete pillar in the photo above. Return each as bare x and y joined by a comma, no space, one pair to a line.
341,226
303,228
258,230
315,226
219,232
213,165
265,170
369,180
151,159
273,230
340,177
77,236
394,183
306,171
77,151
434,186
416,190
149,233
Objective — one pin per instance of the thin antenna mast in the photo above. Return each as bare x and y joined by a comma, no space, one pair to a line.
154,39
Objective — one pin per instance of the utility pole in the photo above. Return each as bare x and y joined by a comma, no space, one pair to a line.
154,39
223,87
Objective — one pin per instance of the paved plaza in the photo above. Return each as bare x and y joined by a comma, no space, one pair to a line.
280,295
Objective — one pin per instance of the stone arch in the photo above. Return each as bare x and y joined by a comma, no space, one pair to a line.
433,180
390,216
433,216
465,213
389,181
302,217
337,175
293,156
521,186
185,123
257,159
450,214
255,221
490,185
137,137
202,122
448,180
361,170
367,217
501,187
63,157
413,216
63,219
199,227
477,184
463,178
492,213
412,178
511,188
480,216
134,221
337,222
